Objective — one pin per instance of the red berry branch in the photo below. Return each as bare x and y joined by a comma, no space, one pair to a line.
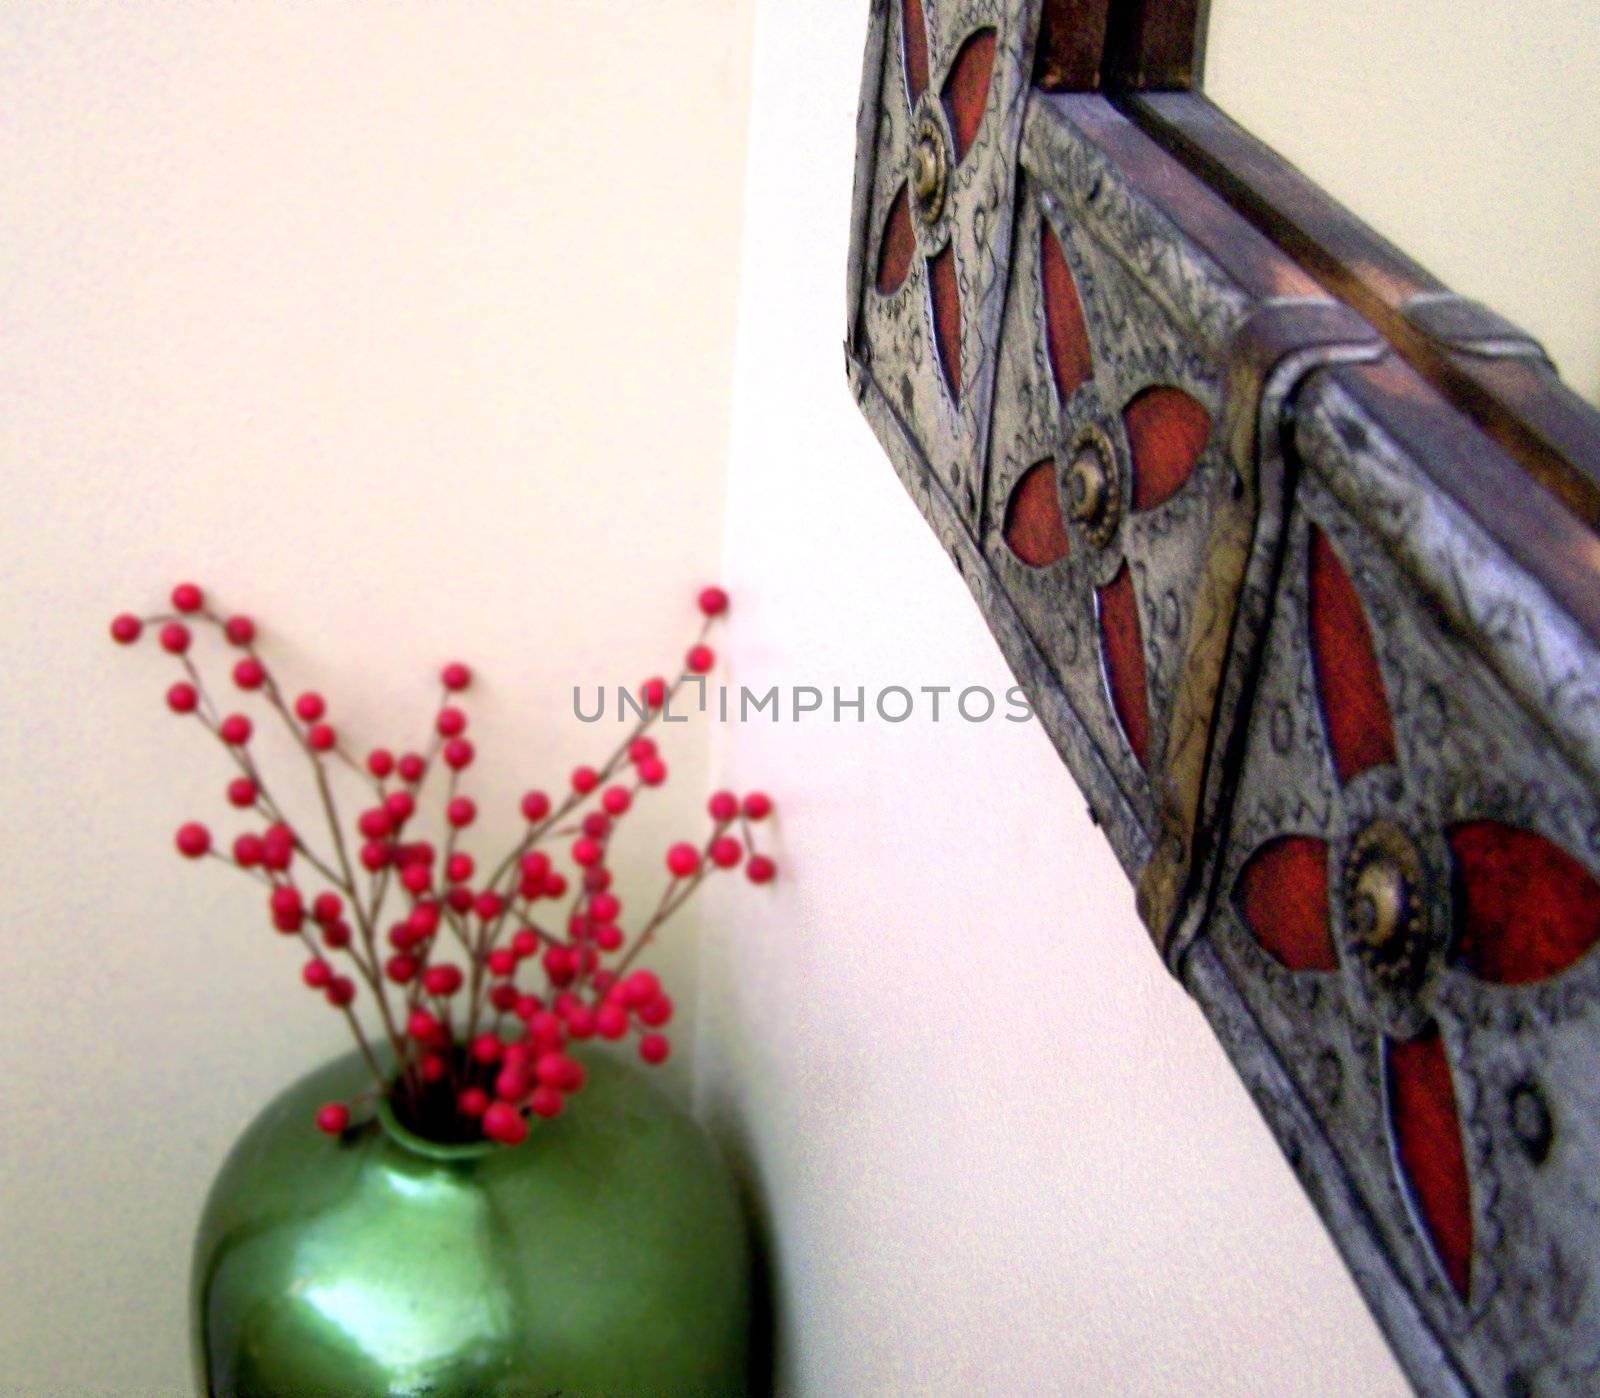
480,983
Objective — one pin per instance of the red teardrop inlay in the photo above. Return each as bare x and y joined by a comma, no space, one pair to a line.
1525,909
914,37
947,316
1066,335
1122,653
966,90
1428,1146
1355,710
899,242
1034,529
1282,894
1167,431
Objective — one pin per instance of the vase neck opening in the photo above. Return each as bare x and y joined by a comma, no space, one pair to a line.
434,1132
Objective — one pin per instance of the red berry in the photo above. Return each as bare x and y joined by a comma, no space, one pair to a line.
327,907
277,848
286,902
375,855
525,942
597,879
757,806
433,1067
423,1027
656,1012
535,807
608,936
240,630
604,907
713,601
503,997
558,1071
535,864
186,597
175,637
760,869
451,723
375,823
401,968
333,1117
654,1048
611,1021
545,1102
182,698
341,992
555,884
458,754
336,935
380,762
412,768
424,919
560,966
616,799
502,961
416,878
654,692
639,989
401,806
455,676
310,706
652,771
511,1083
442,980
584,780
682,860
461,812
641,750
474,1101
459,899
586,852
235,730
726,852
126,629
249,673
700,659
487,1048
193,840
723,806
580,1022
247,851
317,974
488,905
459,867
321,737
597,825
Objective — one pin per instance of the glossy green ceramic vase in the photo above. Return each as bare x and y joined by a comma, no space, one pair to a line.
606,1254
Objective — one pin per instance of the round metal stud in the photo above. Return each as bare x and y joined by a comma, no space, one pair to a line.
929,169
1093,492
1383,900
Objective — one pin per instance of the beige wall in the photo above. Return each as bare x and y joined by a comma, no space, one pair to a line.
1468,133
408,326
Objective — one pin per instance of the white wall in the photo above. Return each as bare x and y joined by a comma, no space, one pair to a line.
407,326
998,1148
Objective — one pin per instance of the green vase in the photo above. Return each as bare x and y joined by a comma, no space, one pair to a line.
606,1254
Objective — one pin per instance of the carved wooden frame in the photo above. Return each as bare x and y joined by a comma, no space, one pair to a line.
1296,553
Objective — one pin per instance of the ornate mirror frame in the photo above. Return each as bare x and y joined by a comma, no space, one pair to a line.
1295,551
